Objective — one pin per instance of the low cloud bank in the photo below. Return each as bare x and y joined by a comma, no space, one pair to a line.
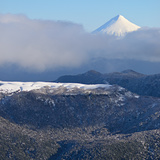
38,45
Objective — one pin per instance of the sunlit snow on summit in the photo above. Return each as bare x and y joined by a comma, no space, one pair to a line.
117,26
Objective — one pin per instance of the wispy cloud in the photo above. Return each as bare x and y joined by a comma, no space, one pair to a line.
39,45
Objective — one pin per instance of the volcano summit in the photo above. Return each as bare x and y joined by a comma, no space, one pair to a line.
118,26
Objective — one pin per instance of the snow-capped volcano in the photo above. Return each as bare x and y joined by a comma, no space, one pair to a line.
117,26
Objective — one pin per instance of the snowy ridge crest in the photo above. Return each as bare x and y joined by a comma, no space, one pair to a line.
11,87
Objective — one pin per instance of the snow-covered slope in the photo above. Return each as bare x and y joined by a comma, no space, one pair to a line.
10,87
117,26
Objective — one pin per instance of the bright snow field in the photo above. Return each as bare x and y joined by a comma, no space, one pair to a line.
10,87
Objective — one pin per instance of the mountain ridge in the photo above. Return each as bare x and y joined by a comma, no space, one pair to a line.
146,85
41,124
76,121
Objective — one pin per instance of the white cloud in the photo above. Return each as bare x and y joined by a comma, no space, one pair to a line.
39,45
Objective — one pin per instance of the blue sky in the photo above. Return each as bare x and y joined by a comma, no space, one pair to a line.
90,13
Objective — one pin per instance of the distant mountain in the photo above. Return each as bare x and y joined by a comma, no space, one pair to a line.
148,85
117,26
85,78
94,77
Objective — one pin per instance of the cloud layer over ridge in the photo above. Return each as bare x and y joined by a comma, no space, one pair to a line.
38,45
